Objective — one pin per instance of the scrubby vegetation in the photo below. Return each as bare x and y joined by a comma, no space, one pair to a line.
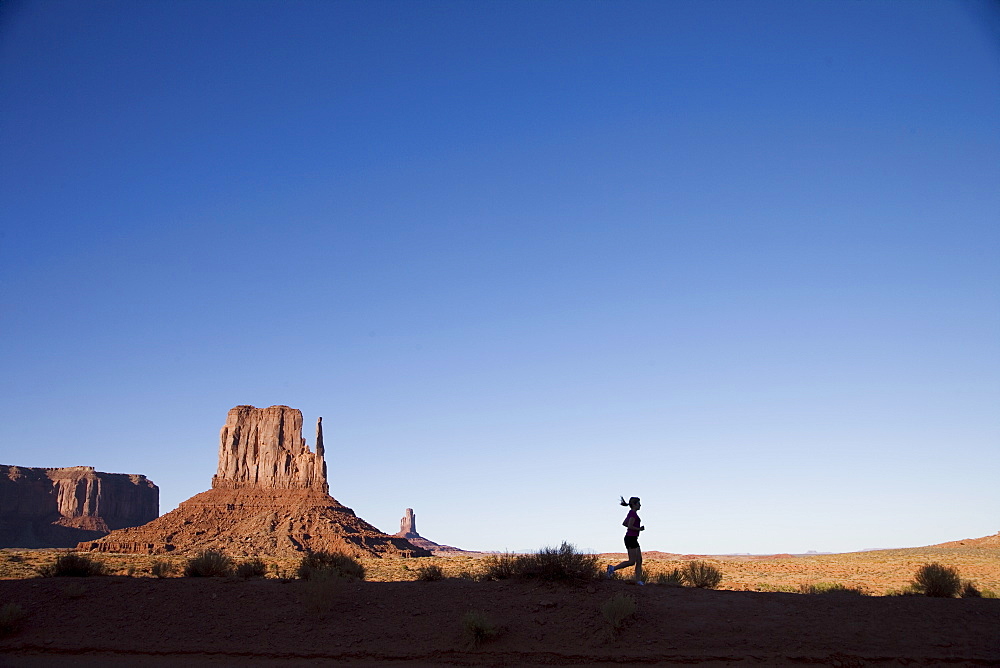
336,563
672,578
11,616
562,564
253,568
209,564
937,580
617,610
478,628
72,565
162,569
500,566
701,574
831,588
320,587
430,573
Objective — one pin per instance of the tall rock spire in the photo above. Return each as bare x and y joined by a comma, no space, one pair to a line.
408,525
321,452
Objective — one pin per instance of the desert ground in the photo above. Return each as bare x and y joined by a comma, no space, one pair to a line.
131,618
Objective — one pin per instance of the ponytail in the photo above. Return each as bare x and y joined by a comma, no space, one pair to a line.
624,502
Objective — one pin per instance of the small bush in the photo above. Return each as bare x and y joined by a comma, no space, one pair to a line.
11,616
617,610
430,573
336,563
73,565
320,587
466,574
938,581
209,564
674,578
75,590
702,575
970,590
500,566
254,568
478,628
834,588
162,569
562,564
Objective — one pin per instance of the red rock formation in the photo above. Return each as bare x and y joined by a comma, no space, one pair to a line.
63,506
408,530
263,447
268,498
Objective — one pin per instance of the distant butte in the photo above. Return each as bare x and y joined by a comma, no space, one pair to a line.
408,530
269,497
59,507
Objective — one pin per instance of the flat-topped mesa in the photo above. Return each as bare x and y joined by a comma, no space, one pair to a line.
59,507
264,448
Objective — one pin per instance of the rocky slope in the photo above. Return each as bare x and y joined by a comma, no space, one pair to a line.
59,507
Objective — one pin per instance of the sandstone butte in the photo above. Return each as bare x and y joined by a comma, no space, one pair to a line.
59,507
408,530
269,497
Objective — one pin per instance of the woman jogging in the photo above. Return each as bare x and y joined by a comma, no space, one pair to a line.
633,527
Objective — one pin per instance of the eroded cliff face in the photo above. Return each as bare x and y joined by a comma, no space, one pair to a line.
264,448
62,506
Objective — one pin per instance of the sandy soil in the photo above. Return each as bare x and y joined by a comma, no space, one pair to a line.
119,621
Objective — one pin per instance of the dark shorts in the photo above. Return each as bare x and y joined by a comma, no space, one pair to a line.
631,542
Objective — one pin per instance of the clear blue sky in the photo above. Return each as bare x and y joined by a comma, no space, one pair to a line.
740,259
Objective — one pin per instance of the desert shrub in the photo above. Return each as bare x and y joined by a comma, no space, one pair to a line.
701,574
970,590
11,616
320,587
499,566
562,564
72,565
937,580
335,563
478,628
75,590
162,569
254,568
617,610
430,573
674,578
466,574
209,564
830,588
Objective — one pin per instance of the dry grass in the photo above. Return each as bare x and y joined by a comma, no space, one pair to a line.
875,573
73,565
11,617
478,627
209,564
319,591
617,611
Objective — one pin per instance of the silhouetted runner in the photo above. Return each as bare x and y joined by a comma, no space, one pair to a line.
633,527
